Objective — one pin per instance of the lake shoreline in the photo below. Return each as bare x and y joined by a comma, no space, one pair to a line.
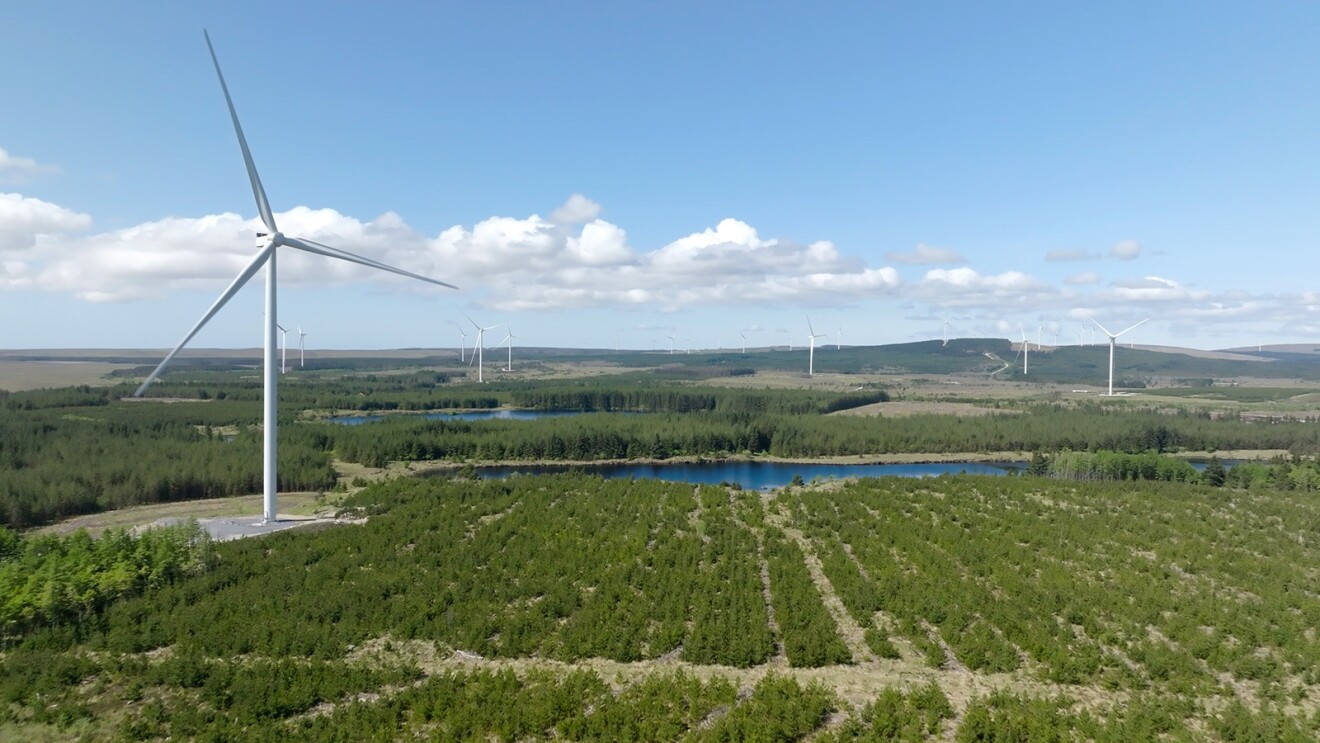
431,465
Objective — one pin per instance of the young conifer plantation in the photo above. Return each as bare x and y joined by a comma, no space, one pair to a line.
1111,592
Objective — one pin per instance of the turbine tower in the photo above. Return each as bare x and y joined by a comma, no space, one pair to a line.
479,355
1026,349
744,337
811,348
1112,338
284,347
462,342
946,331
302,358
508,338
267,243
672,344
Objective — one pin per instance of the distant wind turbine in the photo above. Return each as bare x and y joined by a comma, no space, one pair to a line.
811,349
838,343
509,339
1026,349
1112,338
673,344
302,358
267,243
462,342
744,337
284,347
946,331
479,356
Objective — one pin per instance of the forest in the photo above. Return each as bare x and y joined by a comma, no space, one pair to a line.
460,601
1112,592
83,450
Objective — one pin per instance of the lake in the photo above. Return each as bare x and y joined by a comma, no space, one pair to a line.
757,475
473,415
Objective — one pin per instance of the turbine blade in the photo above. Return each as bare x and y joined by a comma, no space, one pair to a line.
1098,325
252,267
259,193
813,330
315,247
1124,331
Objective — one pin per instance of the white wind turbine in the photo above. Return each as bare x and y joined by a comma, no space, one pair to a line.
946,331
462,342
1026,349
284,347
479,349
838,344
1112,338
267,243
302,359
673,344
509,339
744,337
811,350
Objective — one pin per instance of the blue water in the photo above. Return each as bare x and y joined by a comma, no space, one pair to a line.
477,415
758,475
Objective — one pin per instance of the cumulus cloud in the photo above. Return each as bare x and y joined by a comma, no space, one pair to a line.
15,169
577,210
1125,250
926,255
25,220
967,287
573,259
1153,289
1065,255
1082,279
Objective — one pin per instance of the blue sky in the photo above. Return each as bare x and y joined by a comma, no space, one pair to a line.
593,174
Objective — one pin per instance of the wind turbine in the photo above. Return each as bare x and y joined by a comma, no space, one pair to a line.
479,356
284,347
302,359
946,331
838,343
811,352
509,339
267,243
1112,338
1026,349
744,337
672,344
462,342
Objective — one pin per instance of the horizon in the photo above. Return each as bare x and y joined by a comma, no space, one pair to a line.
595,176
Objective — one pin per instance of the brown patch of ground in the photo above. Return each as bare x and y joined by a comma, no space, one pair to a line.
17,376
904,408
291,504
857,685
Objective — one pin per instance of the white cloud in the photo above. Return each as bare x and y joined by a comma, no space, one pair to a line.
1082,279
15,169
24,220
926,255
1064,255
504,262
965,286
1125,250
1153,289
577,210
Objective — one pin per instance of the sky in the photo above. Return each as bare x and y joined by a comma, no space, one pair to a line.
605,174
